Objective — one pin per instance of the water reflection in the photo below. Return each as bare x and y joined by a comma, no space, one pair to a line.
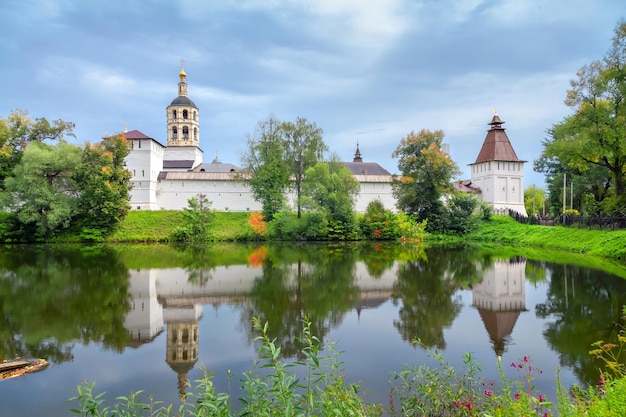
500,297
54,297
129,298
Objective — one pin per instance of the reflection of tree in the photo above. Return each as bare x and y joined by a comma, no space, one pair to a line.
317,281
52,298
426,288
585,305
380,256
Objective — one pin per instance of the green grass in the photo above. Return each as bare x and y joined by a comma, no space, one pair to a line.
602,243
157,226
534,241
146,226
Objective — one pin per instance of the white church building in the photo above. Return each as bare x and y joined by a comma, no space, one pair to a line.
164,177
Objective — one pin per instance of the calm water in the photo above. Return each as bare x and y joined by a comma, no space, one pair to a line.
151,317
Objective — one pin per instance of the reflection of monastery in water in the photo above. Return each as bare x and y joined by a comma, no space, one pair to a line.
500,298
168,297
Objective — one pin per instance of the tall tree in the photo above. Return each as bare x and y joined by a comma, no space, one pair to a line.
277,157
18,130
104,185
427,173
267,172
304,148
42,192
331,188
534,200
595,135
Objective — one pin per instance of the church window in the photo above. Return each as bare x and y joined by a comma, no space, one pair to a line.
139,144
185,114
185,336
185,132
195,116
195,133
174,132
174,114
143,174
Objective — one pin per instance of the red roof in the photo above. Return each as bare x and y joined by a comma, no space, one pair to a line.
496,146
135,134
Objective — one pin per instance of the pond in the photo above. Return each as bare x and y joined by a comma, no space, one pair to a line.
152,317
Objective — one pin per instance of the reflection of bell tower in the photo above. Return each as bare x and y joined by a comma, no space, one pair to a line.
182,342
500,298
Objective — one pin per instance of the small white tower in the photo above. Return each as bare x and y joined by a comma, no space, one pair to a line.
498,172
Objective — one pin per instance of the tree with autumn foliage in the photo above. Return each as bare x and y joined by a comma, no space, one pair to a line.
426,176
104,185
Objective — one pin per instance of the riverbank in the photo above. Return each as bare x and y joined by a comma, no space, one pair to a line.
156,226
504,230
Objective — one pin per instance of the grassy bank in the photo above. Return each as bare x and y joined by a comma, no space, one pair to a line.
156,226
506,231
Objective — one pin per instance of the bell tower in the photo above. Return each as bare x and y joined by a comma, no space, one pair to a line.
182,115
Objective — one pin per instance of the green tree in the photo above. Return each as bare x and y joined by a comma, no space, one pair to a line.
42,192
196,222
267,173
18,130
595,135
104,184
534,200
330,188
427,173
461,216
304,148
277,158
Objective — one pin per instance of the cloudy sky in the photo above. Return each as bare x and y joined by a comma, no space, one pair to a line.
363,70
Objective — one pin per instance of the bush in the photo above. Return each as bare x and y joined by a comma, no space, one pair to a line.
196,223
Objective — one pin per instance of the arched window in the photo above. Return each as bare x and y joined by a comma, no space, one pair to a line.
185,114
174,114
174,132
185,132
195,115
195,133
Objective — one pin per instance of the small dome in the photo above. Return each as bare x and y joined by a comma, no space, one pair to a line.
182,73
183,101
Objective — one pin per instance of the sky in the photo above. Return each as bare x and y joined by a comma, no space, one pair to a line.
365,71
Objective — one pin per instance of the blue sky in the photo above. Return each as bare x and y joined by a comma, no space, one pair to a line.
363,70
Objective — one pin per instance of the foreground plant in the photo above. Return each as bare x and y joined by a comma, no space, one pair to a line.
272,387
315,386
445,391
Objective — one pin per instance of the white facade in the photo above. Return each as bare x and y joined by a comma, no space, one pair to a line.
501,184
166,177
145,162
